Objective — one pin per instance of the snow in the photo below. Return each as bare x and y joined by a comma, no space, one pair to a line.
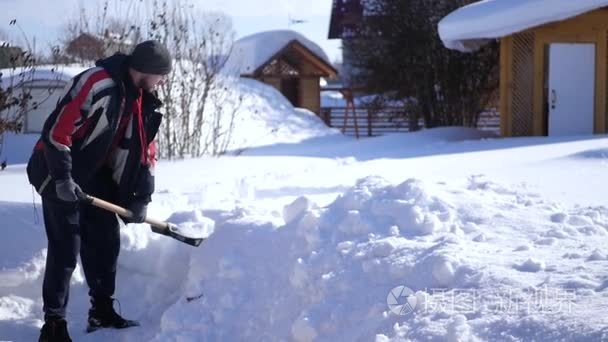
332,98
44,83
16,148
264,117
251,52
40,73
531,265
470,27
313,236
192,223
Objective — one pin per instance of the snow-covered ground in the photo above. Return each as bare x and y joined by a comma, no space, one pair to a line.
446,234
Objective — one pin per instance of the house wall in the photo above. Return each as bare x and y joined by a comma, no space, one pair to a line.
86,47
310,94
274,82
526,53
308,71
310,90
517,85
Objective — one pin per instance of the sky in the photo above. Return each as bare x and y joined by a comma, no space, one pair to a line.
44,19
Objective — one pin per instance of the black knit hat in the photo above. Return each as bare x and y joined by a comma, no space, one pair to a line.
151,57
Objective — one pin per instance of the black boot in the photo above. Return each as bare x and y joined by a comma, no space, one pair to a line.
54,330
102,315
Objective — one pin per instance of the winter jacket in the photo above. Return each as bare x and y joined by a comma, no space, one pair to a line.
84,134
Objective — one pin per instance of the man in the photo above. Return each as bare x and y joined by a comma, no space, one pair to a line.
99,140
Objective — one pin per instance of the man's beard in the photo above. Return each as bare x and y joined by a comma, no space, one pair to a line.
142,84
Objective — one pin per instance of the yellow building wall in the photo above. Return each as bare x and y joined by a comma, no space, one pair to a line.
591,27
274,82
310,94
506,86
310,89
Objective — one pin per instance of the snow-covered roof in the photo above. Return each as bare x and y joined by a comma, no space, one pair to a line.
53,73
251,52
116,38
470,27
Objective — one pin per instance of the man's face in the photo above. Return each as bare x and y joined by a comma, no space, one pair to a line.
149,81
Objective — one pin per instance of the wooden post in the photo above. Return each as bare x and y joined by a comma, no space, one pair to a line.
350,106
345,118
506,86
326,116
601,72
369,122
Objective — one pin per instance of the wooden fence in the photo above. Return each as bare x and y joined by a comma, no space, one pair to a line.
373,122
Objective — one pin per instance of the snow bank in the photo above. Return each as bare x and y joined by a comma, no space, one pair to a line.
323,274
328,272
266,117
334,98
40,73
17,148
398,145
469,27
192,223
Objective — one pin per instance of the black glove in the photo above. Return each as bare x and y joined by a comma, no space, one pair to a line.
68,191
139,209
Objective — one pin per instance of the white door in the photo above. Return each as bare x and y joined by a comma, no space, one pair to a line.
571,89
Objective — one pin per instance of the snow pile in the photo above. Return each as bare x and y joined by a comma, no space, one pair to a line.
17,148
267,117
326,273
192,223
413,144
469,27
40,74
333,98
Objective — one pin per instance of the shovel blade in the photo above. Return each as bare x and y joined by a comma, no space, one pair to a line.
173,231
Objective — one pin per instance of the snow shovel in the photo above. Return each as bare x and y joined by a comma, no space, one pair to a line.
160,227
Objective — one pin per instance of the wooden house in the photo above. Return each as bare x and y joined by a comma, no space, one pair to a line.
287,61
553,61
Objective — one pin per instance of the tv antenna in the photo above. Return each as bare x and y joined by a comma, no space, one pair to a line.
294,21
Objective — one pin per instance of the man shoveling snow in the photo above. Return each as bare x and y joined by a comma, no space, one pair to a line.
99,140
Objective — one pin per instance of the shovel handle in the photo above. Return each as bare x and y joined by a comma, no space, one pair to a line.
122,211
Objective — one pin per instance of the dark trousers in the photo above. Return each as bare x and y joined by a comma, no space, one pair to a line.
72,228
